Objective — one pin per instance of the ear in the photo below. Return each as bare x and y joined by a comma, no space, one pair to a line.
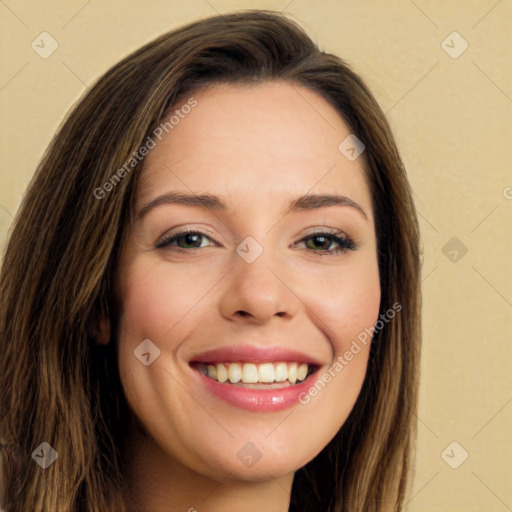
100,331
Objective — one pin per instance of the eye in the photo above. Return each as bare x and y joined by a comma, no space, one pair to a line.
321,243
184,240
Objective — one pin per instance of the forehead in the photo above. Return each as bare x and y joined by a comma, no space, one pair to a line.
253,142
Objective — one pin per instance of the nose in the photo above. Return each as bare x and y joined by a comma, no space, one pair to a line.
258,291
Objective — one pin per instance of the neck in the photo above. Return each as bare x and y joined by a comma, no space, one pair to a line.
156,483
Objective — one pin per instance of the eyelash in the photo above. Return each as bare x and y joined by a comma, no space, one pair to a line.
344,243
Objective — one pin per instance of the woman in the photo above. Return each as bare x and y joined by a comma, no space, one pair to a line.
211,297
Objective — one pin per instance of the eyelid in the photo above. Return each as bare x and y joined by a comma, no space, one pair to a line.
324,230
173,235
344,241
215,233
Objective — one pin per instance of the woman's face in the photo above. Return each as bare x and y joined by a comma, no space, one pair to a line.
254,292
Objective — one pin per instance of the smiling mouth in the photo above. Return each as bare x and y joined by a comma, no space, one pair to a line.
257,376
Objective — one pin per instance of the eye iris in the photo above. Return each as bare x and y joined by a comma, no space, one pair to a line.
324,241
195,237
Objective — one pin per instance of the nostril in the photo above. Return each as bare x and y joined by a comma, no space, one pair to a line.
245,314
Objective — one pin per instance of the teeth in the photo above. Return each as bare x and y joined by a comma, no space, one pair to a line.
234,373
292,373
281,373
302,371
266,372
250,373
212,371
222,373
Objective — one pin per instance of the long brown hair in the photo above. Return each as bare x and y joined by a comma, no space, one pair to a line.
58,386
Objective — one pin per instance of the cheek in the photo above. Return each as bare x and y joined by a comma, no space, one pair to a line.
346,308
357,311
329,400
156,299
346,303
157,304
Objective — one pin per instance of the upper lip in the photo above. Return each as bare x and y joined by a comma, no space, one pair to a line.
253,354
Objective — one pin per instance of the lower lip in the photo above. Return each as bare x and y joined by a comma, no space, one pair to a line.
256,400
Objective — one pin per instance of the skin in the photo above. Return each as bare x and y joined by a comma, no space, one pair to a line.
257,148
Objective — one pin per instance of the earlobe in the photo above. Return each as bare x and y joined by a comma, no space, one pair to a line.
100,332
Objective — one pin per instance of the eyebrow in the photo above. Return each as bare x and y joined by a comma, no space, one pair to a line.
304,202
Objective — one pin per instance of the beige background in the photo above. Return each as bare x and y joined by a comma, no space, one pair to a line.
452,118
